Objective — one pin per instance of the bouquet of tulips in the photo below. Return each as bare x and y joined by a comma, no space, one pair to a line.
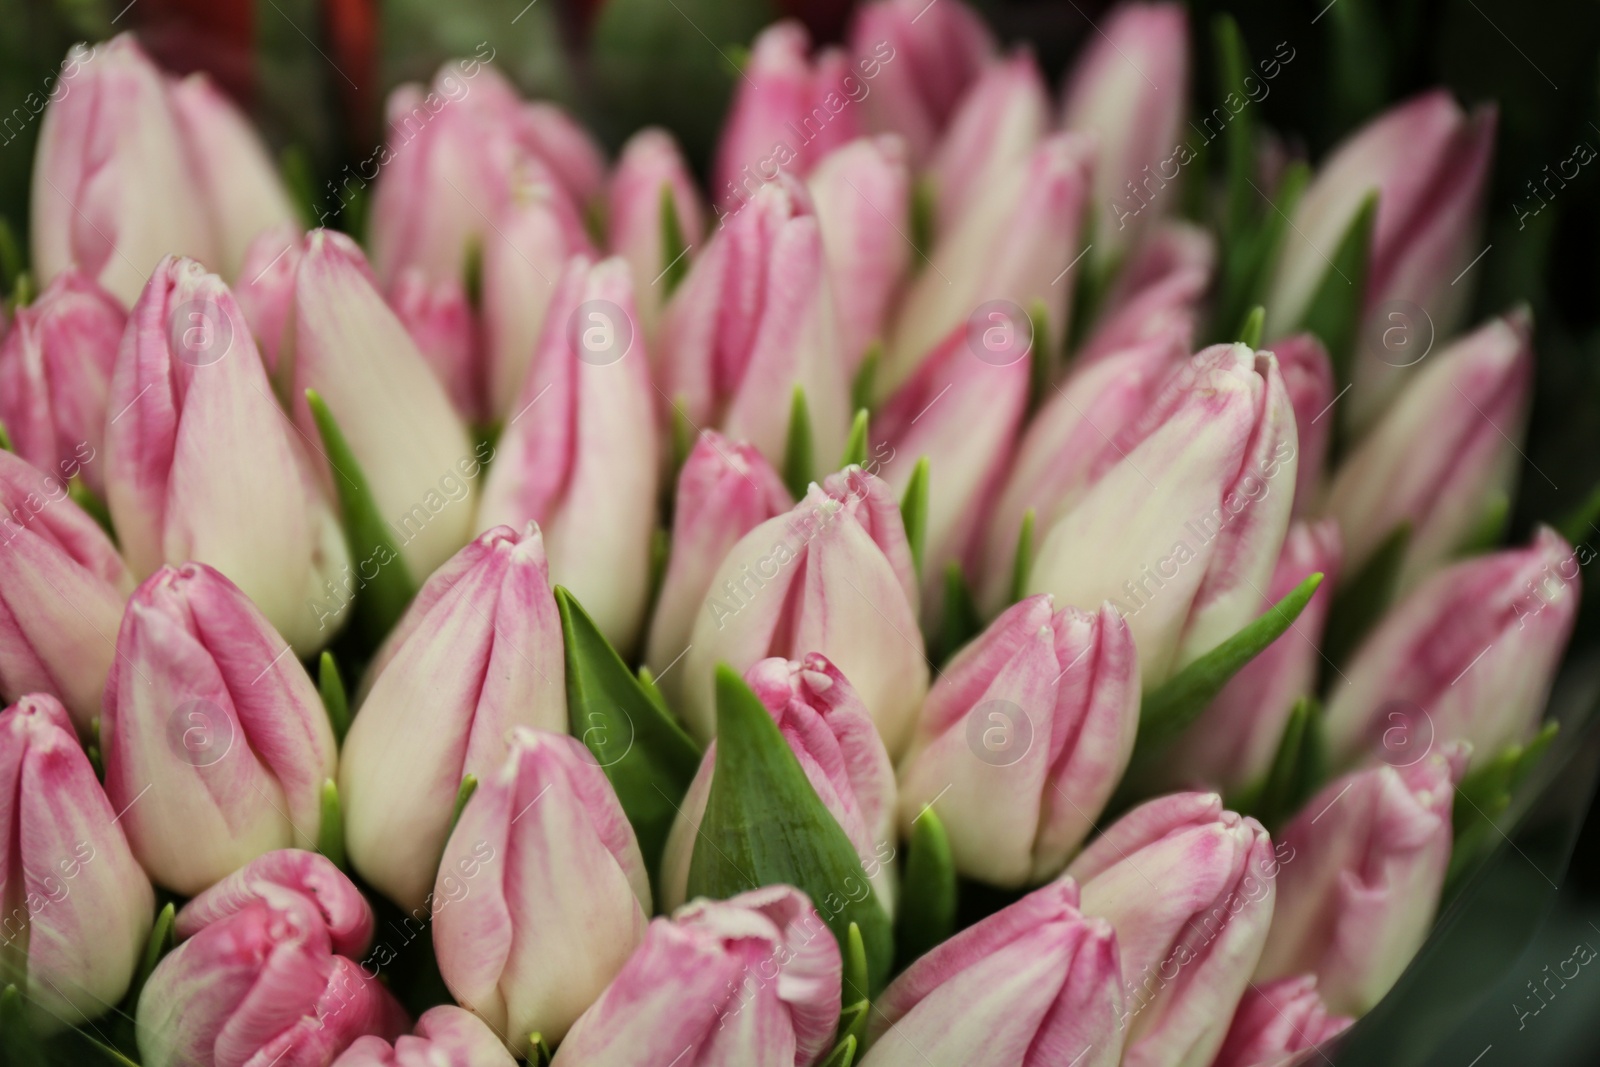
916,599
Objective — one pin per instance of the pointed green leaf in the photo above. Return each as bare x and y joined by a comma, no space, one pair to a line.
924,209
12,266
331,685
765,825
683,438
674,246
472,273
157,945
1363,597
1245,271
5,439
469,786
644,752
855,448
1577,527
843,1054
538,1050
960,621
914,512
647,682
799,461
1490,530
854,984
85,498
330,834
1334,313
1485,794
1022,559
1298,768
1041,357
1238,137
1254,323
861,385
17,1041
295,166
926,912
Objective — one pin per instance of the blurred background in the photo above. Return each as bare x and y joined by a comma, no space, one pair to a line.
315,73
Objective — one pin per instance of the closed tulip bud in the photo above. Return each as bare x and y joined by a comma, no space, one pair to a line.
753,321
1190,514
1004,255
76,905
1130,89
265,291
440,321
651,170
216,743
584,465
1371,850
830,733
925,59
55,372
725,490
265,972
1157,292
1444,455
477,653
114,188
1032,985
1308,379
998,123
1023,738
565,147
201,464
1468,655
863,199
62,587
562,907
446,1036
1189,889
833,576
754,979
1275,1020
1429,163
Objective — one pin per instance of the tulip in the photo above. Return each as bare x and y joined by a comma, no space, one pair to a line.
477,653
754,980
1275,1020
563,145
1033,985
78,908
1157,292
266,972
201,464
725,490
548,933
1011,248
1188,887
446,1036
830,733
753,321
1233,742
1308,379
584,466
927,57
1469,655
55,370
832,576
114,184
1429,163
1444,455
1190,515
1357,907
650,171
999,122
1023,738
440,321
1130,89
62,587
265,292
216,743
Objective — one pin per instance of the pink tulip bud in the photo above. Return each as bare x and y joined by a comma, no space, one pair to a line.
863,199
440,321
114,188
265,292
1308,379
752,322
216,743
725,490
828,729
563,144
832,576
1023,738
921,60
266,972
1469,655
55,371
1275,1020
1130,89
1189,512
563,881
446,1036
77,907
583,463
650,170
1189,888
62,587
1159,291
477,653
998,123
1033,985
1358,905
1444,455
754,979
201,463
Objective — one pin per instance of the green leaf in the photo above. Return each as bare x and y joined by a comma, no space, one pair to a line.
1247,258
1483,795
855,448
843,1054
331,685
799,461
914,512
647,682
381,602
1238,137
1334,313
683,438
295,166
765,825
1361,599
924,210
644,752
1250,330
538,1050
469,786
472,273
926,913
862,384
157,945
1577,527
674,246
1297,772
1022,559
854,984
1490,530
12,265
17,1041
5,439
92,505
330,834
1041,361
960,621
